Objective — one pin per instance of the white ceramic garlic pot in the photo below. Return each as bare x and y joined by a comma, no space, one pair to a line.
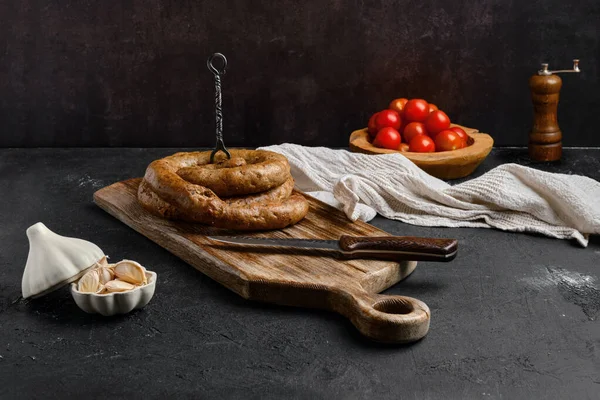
55,261
109,304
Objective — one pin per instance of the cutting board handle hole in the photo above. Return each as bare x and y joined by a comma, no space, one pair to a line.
394,306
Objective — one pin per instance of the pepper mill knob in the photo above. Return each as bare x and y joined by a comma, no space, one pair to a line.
545,138
544,70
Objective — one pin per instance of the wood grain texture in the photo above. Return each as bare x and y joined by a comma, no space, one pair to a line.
285,276
399,243
545,138
444,165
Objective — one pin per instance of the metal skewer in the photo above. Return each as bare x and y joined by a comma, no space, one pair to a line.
220,145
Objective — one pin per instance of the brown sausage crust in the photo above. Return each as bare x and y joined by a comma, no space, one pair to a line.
248,172
166,193
154,203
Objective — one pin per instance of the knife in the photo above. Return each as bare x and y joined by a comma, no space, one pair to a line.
391,248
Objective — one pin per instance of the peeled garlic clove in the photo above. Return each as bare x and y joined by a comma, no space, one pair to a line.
111,267
118,286
130,271
89,282
103,262
106,274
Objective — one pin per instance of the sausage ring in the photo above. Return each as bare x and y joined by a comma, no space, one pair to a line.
248,171
184,186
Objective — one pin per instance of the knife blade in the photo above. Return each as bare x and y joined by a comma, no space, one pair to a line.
391,248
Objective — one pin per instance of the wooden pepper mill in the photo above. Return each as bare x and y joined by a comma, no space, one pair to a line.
545,138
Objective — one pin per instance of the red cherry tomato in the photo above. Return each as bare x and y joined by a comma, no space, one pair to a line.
402,127
416,110
387,119
436,122
414,129
422,144
398,105
448,140
388,138
432,107
460,132
372,128
403,147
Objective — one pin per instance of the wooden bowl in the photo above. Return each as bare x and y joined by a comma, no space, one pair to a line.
445,164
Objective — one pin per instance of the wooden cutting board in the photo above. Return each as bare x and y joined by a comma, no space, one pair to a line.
283,276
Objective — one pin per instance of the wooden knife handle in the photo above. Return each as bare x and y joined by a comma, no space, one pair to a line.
399,248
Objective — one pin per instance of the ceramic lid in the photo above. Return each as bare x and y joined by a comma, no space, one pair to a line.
55,260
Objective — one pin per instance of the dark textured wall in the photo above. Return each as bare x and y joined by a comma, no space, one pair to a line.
132,73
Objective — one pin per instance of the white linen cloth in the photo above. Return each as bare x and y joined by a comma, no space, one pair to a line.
510,197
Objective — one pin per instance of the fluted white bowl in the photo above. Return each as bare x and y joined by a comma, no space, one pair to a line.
115,303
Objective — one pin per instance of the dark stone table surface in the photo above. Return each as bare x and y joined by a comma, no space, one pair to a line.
513,316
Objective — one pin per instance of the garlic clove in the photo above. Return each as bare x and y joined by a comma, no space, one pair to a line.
103,262
131,272
118,286
89,282
106,274
101,289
